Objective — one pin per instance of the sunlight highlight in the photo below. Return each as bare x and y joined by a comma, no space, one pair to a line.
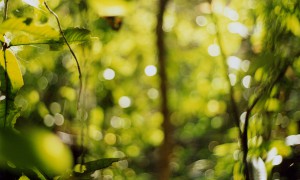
292,140
238,28
232,78
231,14
34,3
214,50
49,120
201,21
125,102
245,65
234,62
277,160
260,171
246,81
117,122
150,70
109,74
59,119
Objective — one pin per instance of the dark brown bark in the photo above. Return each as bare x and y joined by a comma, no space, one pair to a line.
165,150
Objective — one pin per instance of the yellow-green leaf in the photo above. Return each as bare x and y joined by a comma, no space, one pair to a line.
27,25
13,70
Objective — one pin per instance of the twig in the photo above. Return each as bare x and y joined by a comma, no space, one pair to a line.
72,52
80,79
5,10
4,47
233,104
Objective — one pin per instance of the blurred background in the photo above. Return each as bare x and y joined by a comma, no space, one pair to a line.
221,57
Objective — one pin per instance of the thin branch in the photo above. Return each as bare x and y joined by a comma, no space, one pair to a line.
264,90
79,75
234,107
7,93
4,47
72,52
233,104
5,10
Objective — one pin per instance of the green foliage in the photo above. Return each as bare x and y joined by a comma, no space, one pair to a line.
240,52
11,82
90,167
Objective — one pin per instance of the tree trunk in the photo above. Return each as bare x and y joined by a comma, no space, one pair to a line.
165,150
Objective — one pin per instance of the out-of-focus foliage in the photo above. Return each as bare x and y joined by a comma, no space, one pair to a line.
249,46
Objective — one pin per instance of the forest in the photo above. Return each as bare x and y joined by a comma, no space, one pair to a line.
150,89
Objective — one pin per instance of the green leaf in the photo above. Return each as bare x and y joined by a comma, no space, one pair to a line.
90,167
17,25
73,35
78,35
100,164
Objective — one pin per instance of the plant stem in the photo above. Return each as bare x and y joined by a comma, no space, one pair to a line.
233,104
5,10
4,47
80,80
72,52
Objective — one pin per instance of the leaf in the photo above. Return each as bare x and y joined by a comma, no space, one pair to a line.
225,149
13,71
90,167
100,164
8,112
77,34
73,35
16,25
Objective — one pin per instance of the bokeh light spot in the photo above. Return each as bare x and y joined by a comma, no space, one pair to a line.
109,74
238,28
232,78
214,50
213,106
201,20
110,138
125,102
150,70
117,122
153,93
49,120
246,81
231,14
59,119
133,150
234,62
245,65
277,160
55,108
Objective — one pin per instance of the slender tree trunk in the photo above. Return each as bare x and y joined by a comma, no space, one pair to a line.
165,150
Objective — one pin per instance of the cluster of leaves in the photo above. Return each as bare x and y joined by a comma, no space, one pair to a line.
206,41
35,152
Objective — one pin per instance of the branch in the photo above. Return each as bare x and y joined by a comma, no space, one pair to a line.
264,90
72,52
4,47
166,148
233,104
5,10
